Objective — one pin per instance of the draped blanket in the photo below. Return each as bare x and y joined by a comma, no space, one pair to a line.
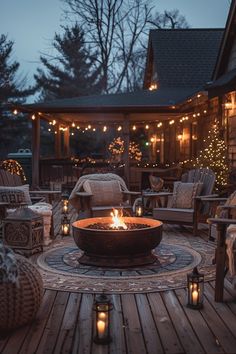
231,248
75,200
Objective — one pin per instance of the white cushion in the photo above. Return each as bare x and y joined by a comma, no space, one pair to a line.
104,192
24,188
184,194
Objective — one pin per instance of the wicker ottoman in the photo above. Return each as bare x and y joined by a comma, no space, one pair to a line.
20,301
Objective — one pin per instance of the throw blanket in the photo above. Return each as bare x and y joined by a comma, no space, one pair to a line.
231,248
74,199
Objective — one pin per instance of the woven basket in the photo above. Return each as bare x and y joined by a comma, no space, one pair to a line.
20,303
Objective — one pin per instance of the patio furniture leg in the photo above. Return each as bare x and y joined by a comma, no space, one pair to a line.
220,262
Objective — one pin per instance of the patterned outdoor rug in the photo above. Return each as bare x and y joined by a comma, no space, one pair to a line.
177,256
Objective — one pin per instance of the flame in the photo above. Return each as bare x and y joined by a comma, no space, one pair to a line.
118,223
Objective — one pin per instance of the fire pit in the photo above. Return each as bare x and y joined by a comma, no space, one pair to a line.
117,246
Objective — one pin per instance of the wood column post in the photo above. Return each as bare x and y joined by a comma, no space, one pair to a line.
67,142
126,149
35,151
58,141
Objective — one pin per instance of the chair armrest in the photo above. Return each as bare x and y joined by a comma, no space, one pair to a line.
132,193
85,200
212,200
220,221
47,193
228,207
84,194
211,197
37,199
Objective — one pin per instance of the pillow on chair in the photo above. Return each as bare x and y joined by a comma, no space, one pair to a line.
24,189
12,197
104,193
184,194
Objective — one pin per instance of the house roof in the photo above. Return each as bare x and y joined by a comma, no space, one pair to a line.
227,42
185,57
225,83
141,101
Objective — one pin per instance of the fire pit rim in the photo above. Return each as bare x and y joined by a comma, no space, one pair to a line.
108,219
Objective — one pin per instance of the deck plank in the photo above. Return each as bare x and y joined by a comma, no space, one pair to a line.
222,310
50,334
83,331
223,336
118,344
36,331
200,327
151,337
65,338
133,331
182,326
168,336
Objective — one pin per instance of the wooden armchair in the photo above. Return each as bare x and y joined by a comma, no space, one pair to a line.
186,205
98,194
221,254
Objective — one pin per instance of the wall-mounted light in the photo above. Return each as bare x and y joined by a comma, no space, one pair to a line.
179,137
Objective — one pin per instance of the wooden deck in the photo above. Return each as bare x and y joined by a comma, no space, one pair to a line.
141,323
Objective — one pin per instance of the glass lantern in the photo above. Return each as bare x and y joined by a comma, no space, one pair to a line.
195,284
139,209
65,203
101,321
65,226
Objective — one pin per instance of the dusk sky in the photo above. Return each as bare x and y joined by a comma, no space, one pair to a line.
31,24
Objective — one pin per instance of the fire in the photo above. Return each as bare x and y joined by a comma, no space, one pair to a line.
118,223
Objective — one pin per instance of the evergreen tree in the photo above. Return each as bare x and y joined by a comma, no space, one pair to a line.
214,156
70,73
15,130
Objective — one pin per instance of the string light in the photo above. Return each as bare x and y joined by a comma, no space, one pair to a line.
159,125
104,128
171,122
146,126
134,127
73,124
15,112
119,128
33,117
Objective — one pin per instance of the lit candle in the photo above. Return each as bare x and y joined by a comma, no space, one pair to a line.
139,211
101,325
102,316
65,208
195,297
65,229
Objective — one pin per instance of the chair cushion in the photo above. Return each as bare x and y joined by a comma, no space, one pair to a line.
104,193
24,188
184,194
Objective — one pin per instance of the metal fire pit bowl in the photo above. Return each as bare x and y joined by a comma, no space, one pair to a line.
117,248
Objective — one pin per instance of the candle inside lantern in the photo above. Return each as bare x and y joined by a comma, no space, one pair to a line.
65,208
65,229
102,316
101,327
195,297
139,211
